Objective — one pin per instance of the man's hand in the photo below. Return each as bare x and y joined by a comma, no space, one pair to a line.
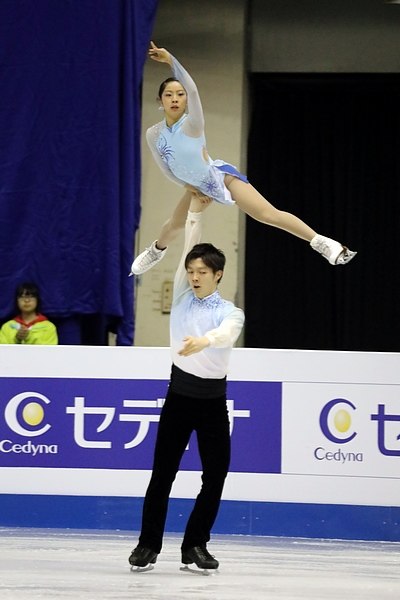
199,200
192,345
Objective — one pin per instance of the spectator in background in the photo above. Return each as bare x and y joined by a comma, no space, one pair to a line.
29,326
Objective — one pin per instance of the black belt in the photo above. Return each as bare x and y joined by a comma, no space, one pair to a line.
190,385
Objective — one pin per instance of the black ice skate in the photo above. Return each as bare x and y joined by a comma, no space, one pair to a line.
142,558
202,559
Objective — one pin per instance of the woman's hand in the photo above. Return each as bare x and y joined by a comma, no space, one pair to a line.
159,54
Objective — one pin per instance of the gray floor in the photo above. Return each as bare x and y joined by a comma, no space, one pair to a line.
93,565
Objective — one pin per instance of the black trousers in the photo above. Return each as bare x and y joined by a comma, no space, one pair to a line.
180,416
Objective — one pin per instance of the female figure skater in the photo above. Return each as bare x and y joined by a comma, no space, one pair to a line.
179,148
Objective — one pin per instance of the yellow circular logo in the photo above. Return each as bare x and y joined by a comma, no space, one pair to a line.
342,420
33,413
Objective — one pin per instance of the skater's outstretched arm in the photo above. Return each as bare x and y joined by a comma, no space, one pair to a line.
174,225
197,204
194,124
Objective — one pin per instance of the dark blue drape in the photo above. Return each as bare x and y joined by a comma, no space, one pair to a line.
70,73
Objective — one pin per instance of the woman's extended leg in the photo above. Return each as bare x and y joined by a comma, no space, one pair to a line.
256,206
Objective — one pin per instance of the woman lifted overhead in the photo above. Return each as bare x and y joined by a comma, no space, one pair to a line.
179,148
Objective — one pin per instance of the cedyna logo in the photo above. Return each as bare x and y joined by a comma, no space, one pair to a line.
25,416
336,423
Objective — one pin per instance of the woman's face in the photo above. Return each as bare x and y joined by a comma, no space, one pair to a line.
173,100
27,303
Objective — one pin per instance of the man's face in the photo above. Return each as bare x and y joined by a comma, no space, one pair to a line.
201,278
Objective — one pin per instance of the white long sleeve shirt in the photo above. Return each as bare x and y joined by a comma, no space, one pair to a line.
217,319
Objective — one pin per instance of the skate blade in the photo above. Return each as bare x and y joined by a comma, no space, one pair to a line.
345,257
136,569
198,571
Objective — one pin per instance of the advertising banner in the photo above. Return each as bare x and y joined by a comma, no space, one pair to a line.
341,429
112,423
306,426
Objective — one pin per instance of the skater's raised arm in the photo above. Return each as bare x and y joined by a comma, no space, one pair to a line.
193,229
194,124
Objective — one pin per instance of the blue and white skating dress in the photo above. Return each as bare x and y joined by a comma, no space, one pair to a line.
180,150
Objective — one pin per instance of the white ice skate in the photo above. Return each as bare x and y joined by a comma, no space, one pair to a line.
333,251
147,259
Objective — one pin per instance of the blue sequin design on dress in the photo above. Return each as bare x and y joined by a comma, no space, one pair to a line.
166,151
210,187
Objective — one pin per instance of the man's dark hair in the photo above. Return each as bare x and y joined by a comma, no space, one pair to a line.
211,256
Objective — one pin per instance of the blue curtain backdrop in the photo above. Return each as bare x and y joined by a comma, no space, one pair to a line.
70,73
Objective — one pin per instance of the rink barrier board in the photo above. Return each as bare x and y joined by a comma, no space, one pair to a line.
371,523
315,441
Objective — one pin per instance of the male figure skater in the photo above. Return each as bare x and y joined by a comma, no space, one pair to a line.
203,330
